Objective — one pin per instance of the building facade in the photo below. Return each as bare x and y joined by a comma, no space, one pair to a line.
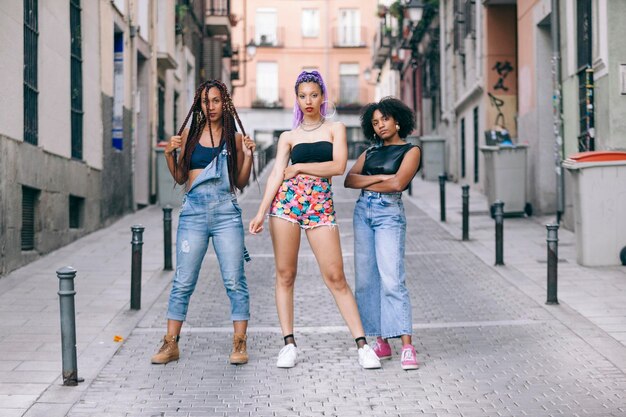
91,87
333,37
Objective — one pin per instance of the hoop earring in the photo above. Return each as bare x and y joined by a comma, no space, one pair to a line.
329,113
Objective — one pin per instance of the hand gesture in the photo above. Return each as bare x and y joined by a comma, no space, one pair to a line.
256,224
173,144
248,146
291,171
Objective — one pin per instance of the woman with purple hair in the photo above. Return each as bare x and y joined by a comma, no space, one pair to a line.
299,196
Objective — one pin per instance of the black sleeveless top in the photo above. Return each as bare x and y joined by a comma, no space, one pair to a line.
384,159
320,151
202,156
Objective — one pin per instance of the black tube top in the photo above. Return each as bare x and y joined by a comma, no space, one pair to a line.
320,151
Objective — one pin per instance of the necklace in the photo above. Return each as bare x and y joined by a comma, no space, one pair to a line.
317,125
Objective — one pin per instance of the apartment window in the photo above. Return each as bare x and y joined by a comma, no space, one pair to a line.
76,74
459,27
31,36
470,17
29,203
267,85
118,91
266,27
476,156
77,208
349,29
586,109
161,103
176,100
310,23
463,151
348,84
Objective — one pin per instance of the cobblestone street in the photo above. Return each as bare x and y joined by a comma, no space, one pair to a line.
486,348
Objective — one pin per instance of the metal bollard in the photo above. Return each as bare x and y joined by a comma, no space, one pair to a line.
135,273
465,197
499,217
442,197
553,260
66,293
167,238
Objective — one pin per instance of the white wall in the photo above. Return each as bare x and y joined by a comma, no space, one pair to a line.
12,69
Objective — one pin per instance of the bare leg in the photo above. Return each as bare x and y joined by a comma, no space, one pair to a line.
240,326
406,339
173,327
325,244
286,242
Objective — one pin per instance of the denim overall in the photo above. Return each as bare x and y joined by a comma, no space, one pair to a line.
210,210
380,290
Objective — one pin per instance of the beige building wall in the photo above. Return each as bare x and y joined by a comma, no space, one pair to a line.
11,41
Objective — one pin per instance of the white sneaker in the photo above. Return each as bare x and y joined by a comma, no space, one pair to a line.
287,356
368,358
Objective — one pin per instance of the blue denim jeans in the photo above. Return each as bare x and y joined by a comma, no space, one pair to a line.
379,242
210,211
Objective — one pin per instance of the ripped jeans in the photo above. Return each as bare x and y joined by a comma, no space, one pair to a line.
207,214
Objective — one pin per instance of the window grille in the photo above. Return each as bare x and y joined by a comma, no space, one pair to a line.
31,93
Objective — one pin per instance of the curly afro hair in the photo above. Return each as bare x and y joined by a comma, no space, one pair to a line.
389,107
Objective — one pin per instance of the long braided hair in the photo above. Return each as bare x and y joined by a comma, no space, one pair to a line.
198,123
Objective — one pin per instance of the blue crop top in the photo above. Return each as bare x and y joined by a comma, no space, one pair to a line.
202,156
320,151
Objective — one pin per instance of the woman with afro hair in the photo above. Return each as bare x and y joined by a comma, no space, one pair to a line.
382,173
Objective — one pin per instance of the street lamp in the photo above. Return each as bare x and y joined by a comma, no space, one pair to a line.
415,9
250,49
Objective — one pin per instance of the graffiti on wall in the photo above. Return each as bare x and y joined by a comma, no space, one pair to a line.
498,104
503,69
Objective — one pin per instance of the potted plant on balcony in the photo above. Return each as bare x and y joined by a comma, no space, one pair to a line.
381,11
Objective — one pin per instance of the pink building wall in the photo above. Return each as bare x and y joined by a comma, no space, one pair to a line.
296,52
501,66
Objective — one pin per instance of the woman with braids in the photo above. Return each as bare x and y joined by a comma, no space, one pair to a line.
382,172
214,161
299,196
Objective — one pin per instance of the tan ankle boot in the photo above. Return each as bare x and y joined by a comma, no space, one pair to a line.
239,355
168,352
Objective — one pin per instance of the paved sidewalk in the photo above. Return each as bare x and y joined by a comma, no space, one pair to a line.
30,355
598,293
488,344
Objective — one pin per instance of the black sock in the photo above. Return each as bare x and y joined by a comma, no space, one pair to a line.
360,342
289,339
177,338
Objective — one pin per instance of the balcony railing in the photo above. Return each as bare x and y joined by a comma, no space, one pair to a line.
218,8
350,100
268,98
382,46
217,18
269,39
349,37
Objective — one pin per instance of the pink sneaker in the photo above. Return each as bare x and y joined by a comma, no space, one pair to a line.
382,348
408,358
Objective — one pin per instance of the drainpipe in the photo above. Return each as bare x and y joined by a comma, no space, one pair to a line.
557,109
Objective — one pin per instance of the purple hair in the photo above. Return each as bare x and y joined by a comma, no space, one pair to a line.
308,77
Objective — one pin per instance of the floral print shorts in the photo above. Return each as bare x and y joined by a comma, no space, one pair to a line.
305,200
